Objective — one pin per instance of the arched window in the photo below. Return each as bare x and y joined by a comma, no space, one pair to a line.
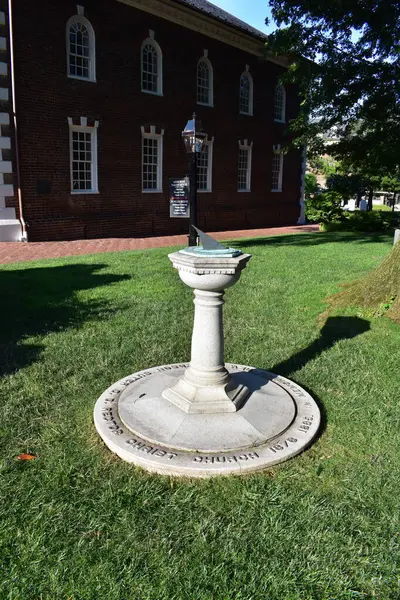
81,55
280,103
246,94
204,82
151,67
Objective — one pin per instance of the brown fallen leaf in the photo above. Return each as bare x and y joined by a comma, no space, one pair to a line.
26,456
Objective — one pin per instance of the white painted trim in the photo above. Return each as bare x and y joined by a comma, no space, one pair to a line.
277,150
80,10
4,94
247,74
283,111
210,144
2,17
83,121
249,147
5,166
302,217
152,42
4,118
92,48
3,68
207,61
5,143
3,43
94,173
160,156
203,24
6,189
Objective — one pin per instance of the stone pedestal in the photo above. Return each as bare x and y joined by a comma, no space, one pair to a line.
206,386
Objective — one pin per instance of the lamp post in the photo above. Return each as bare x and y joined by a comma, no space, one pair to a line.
193,138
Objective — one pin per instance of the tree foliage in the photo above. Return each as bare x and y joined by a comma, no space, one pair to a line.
311,184
348,76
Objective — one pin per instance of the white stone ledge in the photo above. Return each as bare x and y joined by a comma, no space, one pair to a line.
4,118
4,94
3,68
2,17
5,143
6,189
7,213
3,43
5,166
10,230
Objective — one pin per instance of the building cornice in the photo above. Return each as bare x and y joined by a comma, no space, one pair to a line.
180,15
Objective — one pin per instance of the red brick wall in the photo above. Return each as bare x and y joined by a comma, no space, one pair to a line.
46,97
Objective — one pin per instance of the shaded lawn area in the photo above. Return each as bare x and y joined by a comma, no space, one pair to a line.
77,523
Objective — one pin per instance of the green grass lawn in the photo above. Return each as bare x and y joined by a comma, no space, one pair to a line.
77,523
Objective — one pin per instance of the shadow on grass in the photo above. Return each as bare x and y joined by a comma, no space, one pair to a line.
39,301
313,239
335,329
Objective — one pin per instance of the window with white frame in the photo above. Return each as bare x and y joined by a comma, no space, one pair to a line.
152,156
277,169
246,94
204,167
280,103
204,82
244,167
81,57
83,158
151,61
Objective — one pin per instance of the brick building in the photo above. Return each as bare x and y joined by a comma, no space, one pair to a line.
94,98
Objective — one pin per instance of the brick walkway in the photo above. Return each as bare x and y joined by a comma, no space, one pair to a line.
11,252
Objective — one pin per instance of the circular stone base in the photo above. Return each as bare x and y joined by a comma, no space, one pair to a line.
277,421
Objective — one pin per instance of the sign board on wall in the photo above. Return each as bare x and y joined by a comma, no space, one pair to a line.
179,203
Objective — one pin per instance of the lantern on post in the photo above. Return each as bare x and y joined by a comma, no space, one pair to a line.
193,138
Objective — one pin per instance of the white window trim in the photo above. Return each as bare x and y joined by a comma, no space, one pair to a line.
152,42
246,73
283,112
210,144
92,48
159,137
93,139
249,147
277,150
207,61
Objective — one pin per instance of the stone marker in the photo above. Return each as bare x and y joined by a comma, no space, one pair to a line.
396,236
363,204
206,418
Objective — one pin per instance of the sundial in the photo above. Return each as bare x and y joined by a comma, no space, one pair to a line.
206,417
210,247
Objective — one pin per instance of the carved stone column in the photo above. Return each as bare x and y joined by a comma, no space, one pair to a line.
206,386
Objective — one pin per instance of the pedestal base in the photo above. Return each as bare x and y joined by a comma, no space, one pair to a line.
223,398
277,420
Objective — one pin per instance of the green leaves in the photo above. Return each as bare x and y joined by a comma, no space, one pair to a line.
349,74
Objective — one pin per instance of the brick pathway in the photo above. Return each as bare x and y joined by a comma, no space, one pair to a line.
11,252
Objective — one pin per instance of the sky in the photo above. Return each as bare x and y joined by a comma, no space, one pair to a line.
252,12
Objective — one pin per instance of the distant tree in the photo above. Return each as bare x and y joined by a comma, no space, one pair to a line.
348,186
392,185
347,67
311,184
